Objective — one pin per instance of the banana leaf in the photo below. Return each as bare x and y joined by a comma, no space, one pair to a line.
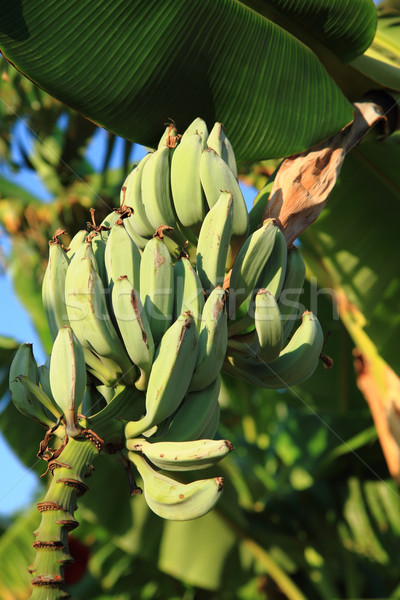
130,66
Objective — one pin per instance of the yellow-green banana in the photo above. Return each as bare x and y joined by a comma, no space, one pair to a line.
156,189
297,361
131,195
181,456
218,141
24,364
213,338
292,289
213,244
170,375
53,295
68,376
189,295
193,416
90,320
157,286
217,176
187,191
173,500
134,328
122,257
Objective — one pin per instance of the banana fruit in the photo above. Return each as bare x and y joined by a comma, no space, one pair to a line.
173,500
182,456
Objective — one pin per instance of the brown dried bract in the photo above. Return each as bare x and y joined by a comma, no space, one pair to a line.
44,506
95,439
55,241
160,231
79,487
304,182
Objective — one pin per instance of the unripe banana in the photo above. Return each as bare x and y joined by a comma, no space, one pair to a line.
176,501
189,295
266,341
181,456
292,288
187,191
156,189
76,241
213,244
213,338
122,257
250,263
273,274
297,361
68,376
131,195
216,176
194,415
170,375
44,377
90,320
134,328
24,364
211,427
157,287
198,126
218,141
53,295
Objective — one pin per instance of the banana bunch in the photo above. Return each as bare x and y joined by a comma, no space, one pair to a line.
149,307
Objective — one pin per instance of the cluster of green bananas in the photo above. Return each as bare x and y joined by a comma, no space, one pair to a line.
154,303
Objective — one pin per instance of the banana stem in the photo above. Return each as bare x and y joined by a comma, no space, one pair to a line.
69,471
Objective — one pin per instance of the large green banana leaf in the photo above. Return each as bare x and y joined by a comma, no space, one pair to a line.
131,65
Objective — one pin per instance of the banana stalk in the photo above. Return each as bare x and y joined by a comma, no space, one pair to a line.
69,472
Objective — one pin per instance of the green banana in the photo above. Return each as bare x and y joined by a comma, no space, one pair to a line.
273,275
44,377
248,273
266,341
189,295
193,416
35,391
131,195
76,241
187,191
198,126
211,427
216,176
297,361
122,257
292,288
156,189
213,243
98,247
90,320
27,403
134,328
181,456
53,295
68,376
170,375
250,263
173,500
218,141
157,286
213,338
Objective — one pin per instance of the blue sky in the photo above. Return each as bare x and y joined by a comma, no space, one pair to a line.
19,485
